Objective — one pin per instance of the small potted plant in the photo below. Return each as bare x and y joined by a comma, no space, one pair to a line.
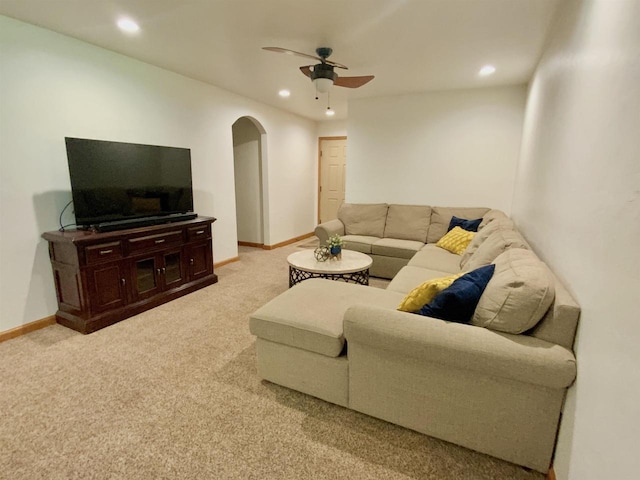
335,243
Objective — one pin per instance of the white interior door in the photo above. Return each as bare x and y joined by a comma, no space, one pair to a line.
333,166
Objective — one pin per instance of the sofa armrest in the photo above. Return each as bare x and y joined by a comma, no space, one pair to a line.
326,229
518,357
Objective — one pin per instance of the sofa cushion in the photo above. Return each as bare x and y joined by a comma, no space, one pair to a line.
482,235
468,225
410,277
408,222
363,219
392,247
441,217
493,246
425,292
359,243
436,258
518,295
458,302
490,216
309,315
561,320
456,241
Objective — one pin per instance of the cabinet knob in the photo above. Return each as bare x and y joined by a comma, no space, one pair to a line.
163,270
123,281
191,261
158,271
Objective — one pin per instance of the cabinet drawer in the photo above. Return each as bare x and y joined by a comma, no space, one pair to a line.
158,240
195,233
103,252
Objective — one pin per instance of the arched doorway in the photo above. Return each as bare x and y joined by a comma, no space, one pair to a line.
249,162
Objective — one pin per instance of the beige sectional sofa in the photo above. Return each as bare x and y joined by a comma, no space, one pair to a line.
496,385
392,234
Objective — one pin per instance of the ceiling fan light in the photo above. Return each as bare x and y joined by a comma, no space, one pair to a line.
323,84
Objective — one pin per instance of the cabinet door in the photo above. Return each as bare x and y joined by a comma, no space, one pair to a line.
200,260
172,269
107,286
145,276
159,272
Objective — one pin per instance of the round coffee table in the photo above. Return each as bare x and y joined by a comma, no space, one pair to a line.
352,267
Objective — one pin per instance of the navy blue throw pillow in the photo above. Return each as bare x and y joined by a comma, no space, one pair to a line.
458,302
468,225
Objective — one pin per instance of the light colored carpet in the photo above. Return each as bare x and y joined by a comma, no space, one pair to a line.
312,242
173,393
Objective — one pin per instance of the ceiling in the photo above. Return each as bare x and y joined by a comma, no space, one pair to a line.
409,45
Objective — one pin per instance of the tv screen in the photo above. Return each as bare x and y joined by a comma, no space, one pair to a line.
115,181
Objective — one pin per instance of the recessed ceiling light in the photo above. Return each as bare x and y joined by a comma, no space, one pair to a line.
330,113
284,93
487,70
128,25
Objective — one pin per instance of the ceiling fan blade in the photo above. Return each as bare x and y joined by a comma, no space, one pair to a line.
353,82
291,52
336,64
306,55
306,70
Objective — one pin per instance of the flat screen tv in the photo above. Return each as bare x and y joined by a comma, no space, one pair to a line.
117,184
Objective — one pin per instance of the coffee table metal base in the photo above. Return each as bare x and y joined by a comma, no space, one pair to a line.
297,276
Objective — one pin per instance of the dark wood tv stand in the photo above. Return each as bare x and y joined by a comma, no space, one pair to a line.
102,278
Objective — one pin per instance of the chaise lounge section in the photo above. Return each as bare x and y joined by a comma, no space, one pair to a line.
496,385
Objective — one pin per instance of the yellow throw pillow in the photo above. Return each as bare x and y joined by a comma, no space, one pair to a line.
456,240
424,293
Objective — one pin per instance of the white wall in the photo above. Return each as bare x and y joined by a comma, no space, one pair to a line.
54,86
457,148
248,181
332,128
578,202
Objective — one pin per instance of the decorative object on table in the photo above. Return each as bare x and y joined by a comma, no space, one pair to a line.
335,246
321,254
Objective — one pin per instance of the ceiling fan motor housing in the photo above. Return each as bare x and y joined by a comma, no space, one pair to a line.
322,70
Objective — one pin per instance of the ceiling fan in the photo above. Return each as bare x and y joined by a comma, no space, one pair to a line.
322,74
